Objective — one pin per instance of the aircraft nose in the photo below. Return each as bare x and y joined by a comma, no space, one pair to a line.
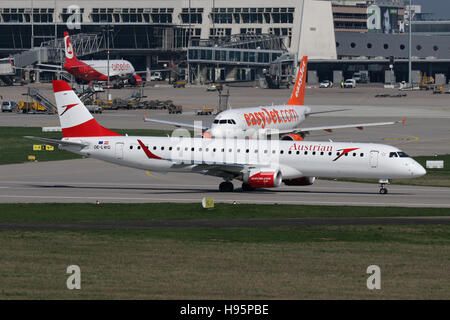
418,170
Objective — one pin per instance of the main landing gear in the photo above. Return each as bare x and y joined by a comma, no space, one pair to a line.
383,190
226,186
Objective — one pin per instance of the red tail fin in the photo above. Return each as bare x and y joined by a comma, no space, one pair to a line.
298,95
69,50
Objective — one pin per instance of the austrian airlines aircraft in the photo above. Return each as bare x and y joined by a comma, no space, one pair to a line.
264,121
257,163
97,70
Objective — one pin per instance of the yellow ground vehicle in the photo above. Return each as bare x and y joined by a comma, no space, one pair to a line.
205,111
25,106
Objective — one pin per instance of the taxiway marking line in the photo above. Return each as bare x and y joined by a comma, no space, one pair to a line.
251,201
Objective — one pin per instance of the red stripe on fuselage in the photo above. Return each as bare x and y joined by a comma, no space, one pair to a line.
148,153
84,71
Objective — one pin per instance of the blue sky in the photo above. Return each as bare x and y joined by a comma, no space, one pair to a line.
441,8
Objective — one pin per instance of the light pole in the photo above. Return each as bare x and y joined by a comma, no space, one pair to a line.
189,43
107,28
410,45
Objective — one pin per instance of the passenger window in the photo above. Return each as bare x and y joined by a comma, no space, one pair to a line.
298,152
131,147
290,152
361,155
306,153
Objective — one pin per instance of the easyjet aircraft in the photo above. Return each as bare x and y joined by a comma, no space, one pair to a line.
257,163
97,70
284,120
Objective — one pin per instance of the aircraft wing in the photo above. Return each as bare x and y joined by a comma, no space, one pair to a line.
56,142
176,124
212,168
328,111
359,126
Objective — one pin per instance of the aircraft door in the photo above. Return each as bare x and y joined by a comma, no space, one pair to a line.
119,150
373,160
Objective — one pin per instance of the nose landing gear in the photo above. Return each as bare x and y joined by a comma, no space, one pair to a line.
383,182
226,186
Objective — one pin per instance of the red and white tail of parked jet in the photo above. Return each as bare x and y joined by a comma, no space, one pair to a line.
283,120
258,163
97,70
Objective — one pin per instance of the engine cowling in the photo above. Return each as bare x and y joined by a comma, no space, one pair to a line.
263,178
302,181
292,137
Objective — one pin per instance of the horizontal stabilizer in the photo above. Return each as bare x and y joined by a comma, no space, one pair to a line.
56,142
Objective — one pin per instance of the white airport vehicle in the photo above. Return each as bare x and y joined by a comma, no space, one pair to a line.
257,163
264,121
156,76
350,83
9,106
326,84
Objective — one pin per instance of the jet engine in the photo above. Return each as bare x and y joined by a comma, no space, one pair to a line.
292,137
263,178
135,80
302,181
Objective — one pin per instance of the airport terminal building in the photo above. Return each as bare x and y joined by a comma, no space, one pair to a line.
218,40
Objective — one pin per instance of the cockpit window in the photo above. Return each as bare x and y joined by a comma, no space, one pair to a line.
222,121
400,154
230,121
216,121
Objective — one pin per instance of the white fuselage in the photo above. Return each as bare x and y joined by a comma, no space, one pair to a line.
293,159
257,121
117,68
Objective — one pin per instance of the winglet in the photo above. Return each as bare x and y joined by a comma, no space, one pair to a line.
298,94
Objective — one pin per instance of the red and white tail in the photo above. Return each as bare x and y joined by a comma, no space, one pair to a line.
298,95
75,118
71,57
